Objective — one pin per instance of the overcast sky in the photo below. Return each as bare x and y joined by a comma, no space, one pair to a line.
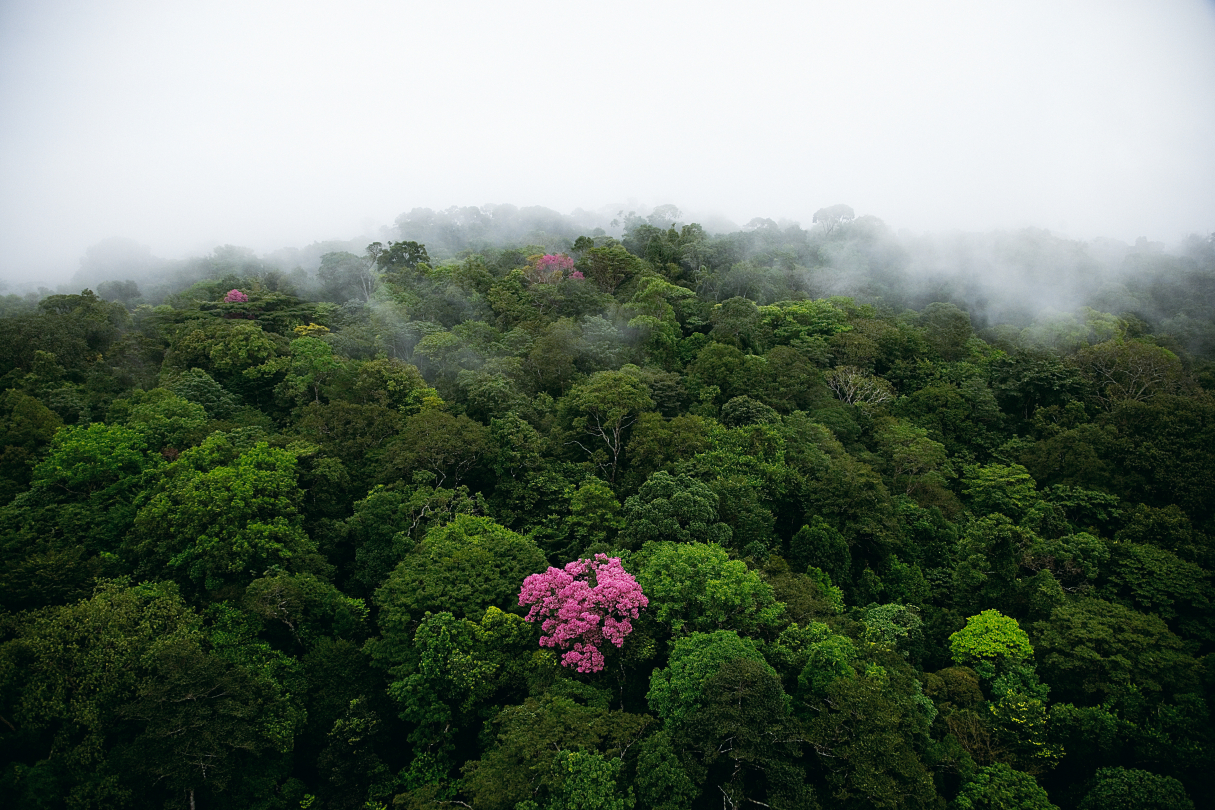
184,125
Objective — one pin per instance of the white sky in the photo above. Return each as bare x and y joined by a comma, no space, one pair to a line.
184,125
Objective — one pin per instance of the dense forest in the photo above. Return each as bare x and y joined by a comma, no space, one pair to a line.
517,511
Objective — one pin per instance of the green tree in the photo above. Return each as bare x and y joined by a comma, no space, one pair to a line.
674,507
391,383
743,411
145,703
389,523
398,257
68,528
530,736
165,419
1007,489
864,734
812,657
89,459
947,329
743,723
433,441
721,372
67,673
589,781
209,525
1090,650
803,325
991,638
306,606
597,414
1131,789
210,726
610,265
310,367
696,587
819,545
678,690
892,625
457,667
999,787
662,781
223,348
1129,370
1157,581
464,567
197,386
914,460
595,515
28,427
659,444
345,276
1028,380
358,436
987,562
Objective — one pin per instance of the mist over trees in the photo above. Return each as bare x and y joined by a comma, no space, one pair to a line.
503,508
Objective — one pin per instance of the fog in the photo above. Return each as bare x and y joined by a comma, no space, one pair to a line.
274,124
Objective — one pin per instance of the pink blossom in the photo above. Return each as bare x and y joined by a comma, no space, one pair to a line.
235,297
576,615
555,262
577,274
548,268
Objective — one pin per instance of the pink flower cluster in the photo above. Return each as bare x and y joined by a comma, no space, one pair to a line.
577,274
549,268
555,263
580,607
235,297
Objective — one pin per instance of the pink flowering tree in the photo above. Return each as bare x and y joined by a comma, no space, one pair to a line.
235,297
583,605
548,268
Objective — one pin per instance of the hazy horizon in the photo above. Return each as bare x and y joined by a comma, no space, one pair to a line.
272,125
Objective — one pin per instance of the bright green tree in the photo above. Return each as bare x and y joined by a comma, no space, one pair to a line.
696,587
992,638
208,525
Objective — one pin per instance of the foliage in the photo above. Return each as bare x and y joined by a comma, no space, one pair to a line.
999,787
923,546
464,567
1126,788
599,413
208,525
990,637
529,736
1092,649
696,587
678,690
675,507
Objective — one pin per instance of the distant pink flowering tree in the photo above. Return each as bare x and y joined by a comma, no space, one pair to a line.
577,274
235,297
583,605
548,268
